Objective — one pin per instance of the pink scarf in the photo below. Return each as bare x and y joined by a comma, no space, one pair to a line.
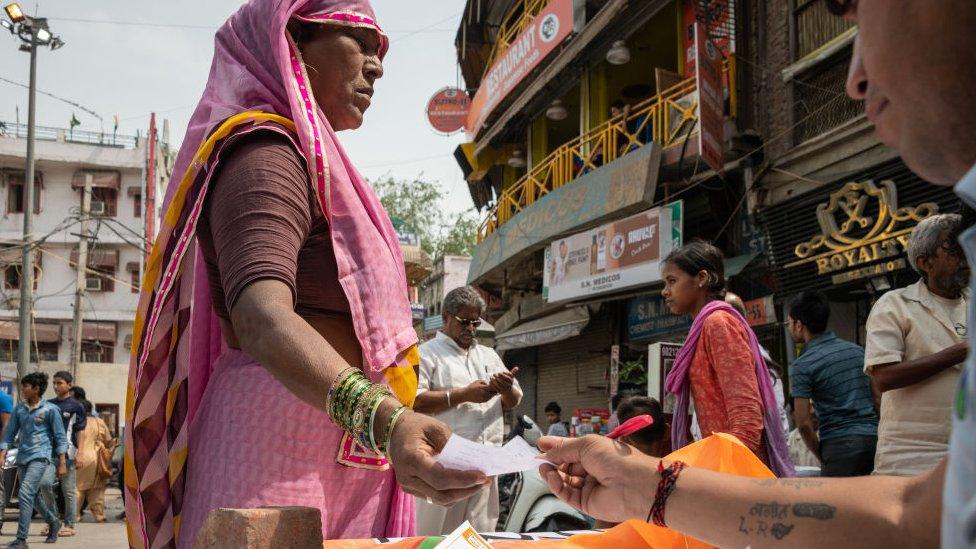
773,437
257,77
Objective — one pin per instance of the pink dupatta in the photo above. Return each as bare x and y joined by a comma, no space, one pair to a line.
773,437
257,78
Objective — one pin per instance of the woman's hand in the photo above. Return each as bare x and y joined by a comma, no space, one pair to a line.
416,439
603,478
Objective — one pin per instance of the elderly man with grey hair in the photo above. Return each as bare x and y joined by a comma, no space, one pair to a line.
915,349
466,386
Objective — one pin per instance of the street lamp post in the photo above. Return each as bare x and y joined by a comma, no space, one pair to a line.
34,32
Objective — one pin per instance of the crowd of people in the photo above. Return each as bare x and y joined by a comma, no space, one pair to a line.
59,442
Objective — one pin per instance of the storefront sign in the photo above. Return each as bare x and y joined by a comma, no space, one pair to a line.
761,311
447,110
530,47
433,323
614,369
863,232
711,100
649,317
625,185
611,257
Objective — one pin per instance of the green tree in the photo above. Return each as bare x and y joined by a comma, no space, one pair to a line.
416,203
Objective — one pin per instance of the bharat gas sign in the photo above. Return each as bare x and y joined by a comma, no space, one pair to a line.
863,232
530,47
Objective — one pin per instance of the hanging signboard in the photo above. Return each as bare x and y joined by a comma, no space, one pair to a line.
547,31
611,257
711,100
448,109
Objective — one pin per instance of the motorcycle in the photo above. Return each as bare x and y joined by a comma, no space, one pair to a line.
525,502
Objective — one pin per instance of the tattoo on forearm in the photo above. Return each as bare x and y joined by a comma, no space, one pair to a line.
771,510
762,528
796,483
819,511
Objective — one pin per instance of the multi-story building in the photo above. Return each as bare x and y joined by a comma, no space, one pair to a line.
597,144
832,206
120,223
450,271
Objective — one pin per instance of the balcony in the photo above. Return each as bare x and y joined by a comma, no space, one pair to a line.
61,135
665,119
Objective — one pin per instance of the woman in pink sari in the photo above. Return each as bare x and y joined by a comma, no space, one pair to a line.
275,351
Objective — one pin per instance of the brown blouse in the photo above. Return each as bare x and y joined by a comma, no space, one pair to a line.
261,220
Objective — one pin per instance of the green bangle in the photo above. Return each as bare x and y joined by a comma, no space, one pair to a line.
388,432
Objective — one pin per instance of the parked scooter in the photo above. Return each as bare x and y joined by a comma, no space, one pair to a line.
525,502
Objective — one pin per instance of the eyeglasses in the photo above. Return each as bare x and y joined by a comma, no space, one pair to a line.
466,322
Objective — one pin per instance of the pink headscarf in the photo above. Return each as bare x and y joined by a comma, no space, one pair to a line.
256,69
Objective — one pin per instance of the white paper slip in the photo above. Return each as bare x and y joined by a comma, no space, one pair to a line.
464,537
515,456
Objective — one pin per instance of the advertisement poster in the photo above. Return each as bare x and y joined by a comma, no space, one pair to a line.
611,257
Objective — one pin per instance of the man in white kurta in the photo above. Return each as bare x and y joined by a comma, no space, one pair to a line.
466,386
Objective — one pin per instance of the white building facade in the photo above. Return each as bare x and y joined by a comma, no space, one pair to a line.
450,271
117,230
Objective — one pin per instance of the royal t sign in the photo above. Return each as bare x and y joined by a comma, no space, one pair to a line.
863,232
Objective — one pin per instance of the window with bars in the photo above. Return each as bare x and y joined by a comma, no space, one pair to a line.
101,280
104,201
11,277
16,193
97,351
47,351
820,102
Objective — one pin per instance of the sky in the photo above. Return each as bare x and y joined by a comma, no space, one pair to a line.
133,57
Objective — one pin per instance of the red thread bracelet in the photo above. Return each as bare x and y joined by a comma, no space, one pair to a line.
669,478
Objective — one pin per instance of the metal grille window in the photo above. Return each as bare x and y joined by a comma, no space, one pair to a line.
814,26
47,351
814,89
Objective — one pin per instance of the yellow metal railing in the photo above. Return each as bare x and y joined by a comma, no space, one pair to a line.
664,118
518,18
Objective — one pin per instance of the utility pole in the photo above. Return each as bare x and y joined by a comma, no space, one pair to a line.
82,266
27,265
33,32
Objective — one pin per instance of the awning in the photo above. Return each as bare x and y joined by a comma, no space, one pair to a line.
548,329
98,331
100,179
134,191
42,333
99,258
132,267
417,263
735,265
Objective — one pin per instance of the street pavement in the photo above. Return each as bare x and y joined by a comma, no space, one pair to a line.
108,535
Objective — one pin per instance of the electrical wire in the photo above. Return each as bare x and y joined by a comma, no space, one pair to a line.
62,99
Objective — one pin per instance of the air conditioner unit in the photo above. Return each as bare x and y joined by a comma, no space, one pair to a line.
91,357
93,284
97,207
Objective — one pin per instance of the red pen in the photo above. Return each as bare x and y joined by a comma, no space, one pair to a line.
631,426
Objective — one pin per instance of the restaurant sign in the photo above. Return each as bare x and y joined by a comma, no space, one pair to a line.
863,232
543,35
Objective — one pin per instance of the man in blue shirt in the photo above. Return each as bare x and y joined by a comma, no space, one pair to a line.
38,423
830,371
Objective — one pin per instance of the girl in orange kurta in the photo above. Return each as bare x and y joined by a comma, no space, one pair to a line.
719,366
